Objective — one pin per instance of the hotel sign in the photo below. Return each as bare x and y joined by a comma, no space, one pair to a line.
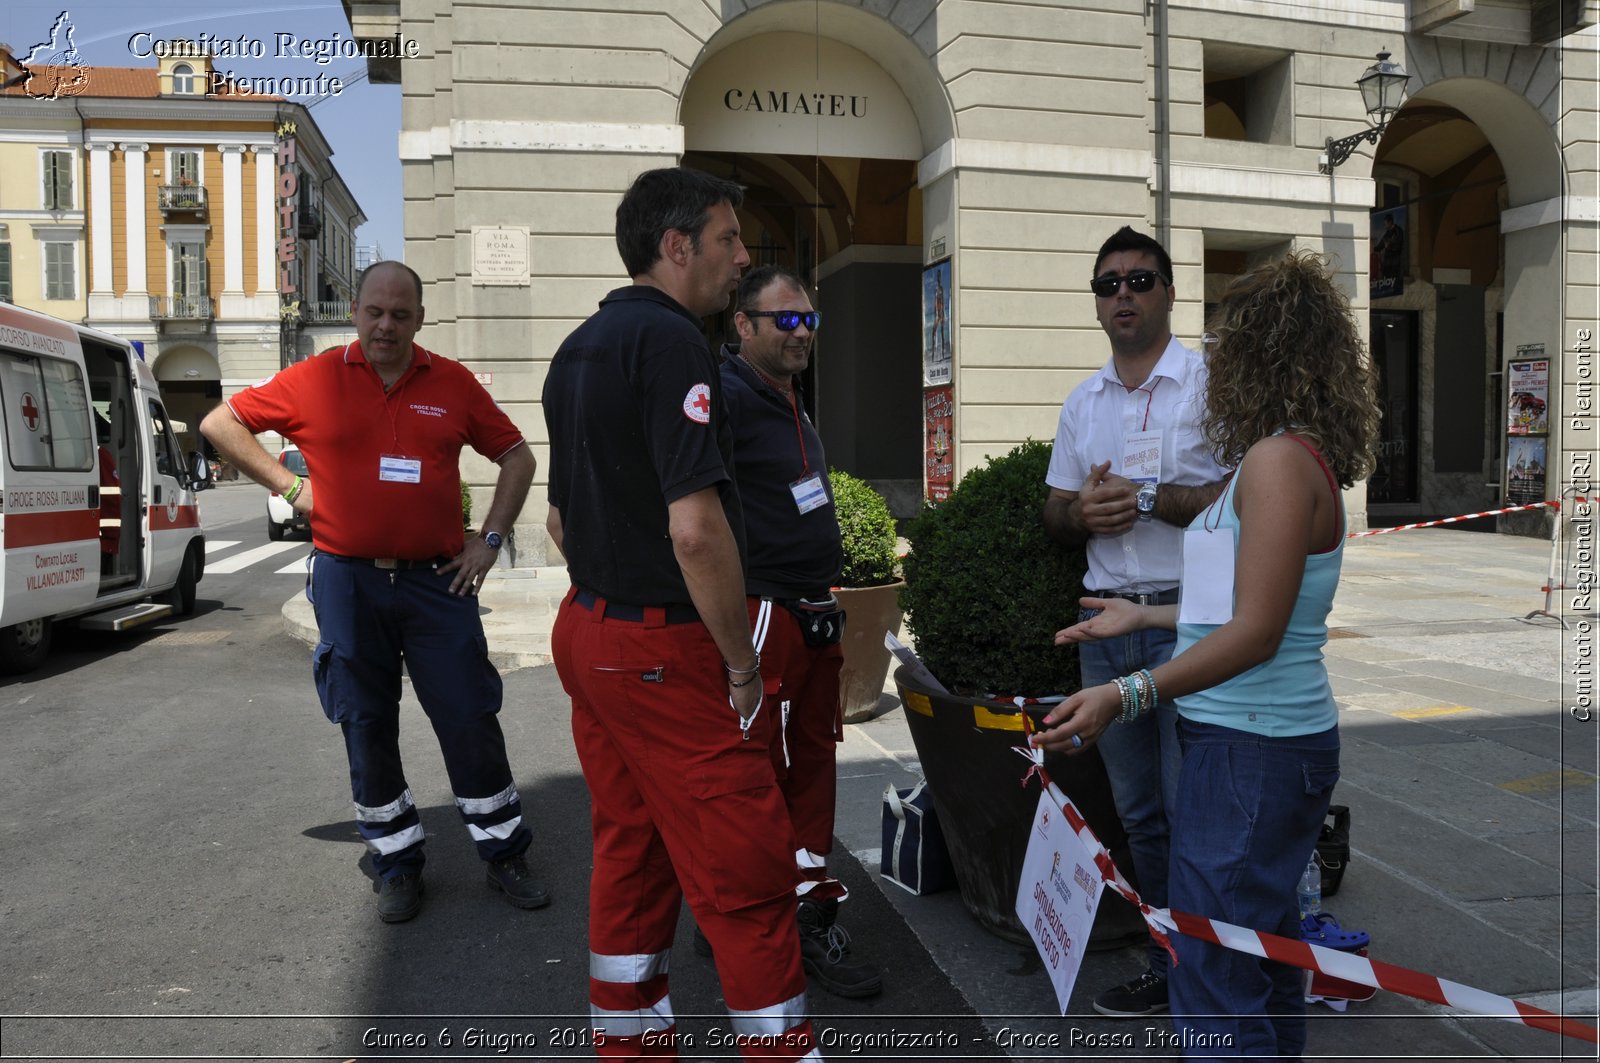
288,204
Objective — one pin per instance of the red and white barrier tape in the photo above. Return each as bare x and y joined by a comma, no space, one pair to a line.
1556,502
1332,962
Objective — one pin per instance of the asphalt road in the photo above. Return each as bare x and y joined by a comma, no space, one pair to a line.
183,877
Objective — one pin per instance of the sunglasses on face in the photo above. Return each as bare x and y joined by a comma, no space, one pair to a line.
1138,281
789,320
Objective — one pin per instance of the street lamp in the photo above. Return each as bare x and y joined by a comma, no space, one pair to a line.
1383,87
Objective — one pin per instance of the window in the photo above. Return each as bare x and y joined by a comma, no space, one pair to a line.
57,180
60,271
1248,93
183,79
185,191
5,273
168,456
188,279
46,413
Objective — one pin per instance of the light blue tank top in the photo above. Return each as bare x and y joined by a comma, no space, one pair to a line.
1289,694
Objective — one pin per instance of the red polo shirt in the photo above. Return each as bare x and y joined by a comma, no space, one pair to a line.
361,445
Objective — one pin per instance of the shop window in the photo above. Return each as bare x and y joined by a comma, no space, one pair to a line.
1249,93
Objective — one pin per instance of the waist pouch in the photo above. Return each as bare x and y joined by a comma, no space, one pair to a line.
821,619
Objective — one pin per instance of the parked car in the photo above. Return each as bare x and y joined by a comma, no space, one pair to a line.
281,517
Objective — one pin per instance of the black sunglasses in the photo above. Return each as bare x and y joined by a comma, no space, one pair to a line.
789,320
1139,281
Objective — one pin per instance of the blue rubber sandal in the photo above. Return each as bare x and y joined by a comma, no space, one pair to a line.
1321,928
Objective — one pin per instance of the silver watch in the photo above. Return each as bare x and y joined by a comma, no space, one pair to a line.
1145,500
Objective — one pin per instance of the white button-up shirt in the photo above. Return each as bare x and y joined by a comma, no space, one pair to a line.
1095,420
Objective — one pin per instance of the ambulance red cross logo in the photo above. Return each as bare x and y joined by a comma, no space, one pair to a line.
30,412
697,404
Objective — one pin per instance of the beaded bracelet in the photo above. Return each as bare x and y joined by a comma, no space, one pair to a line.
294,490
1150,680
1126,690
741,683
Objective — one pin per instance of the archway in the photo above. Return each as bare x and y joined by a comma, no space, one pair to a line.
826,133
191,384
1465,172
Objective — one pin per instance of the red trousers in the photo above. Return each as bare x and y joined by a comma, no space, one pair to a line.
684,806
802,690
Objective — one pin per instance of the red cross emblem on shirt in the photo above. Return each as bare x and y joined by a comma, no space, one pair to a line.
30,412
697,404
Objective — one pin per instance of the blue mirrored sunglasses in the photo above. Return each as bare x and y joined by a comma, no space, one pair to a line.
789,320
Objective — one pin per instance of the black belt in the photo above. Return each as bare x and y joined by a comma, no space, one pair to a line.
389,564
1166,597
670,614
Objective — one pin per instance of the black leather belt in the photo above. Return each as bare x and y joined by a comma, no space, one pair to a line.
671,614
1166,597
389,564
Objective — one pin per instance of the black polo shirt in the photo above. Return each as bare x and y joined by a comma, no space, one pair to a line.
791,554
634,409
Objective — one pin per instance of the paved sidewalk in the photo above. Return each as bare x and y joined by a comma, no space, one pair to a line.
1473,796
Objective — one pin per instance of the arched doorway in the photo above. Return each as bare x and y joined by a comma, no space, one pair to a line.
191,384
1458,179
827,142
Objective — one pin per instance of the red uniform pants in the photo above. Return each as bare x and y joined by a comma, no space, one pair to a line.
807,725
684,806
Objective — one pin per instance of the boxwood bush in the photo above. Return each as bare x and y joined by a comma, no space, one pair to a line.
867,529
986,589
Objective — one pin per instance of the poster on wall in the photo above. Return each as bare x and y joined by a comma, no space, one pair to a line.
1525,459
1387,265
939,433
1528,384
936,324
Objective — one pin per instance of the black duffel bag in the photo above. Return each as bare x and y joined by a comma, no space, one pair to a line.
1333,848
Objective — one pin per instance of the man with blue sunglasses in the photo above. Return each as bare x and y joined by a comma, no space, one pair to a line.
1129,469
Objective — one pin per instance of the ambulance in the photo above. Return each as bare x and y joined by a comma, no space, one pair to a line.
98,517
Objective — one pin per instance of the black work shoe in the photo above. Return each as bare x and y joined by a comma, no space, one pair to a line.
825,952
702,947
400,898
512,877
1145,995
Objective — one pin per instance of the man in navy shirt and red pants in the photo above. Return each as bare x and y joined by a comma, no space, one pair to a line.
795,555
653,641
381,423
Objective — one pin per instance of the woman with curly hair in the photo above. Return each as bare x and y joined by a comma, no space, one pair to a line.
1292,404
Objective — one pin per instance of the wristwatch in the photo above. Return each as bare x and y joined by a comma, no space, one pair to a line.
493,539
1145,500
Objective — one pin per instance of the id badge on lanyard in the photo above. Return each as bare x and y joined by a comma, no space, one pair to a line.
809,493
1141,457
1208,571
399,469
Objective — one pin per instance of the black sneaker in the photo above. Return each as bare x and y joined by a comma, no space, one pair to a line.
513,878
1145,995
825,952
400,898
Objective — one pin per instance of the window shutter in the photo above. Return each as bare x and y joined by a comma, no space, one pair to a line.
5,273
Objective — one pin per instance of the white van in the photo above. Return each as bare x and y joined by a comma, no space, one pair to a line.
97,504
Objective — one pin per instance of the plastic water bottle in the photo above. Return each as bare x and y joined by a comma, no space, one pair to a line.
1309,892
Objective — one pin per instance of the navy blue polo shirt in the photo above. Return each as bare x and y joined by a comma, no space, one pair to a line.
791,554
634,409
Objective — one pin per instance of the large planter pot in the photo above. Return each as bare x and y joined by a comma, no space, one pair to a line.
965,746
869,613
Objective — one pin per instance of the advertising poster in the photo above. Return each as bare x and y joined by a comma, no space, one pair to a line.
1528,384
1387,268
936,324
938,421
1058,895
1525,462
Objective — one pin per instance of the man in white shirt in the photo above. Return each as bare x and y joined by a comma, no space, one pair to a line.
1129,469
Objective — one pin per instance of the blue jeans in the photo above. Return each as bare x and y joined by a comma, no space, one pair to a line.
1248,814
1142,759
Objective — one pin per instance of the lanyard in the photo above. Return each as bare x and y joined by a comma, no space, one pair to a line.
388,407
794,407
1150,392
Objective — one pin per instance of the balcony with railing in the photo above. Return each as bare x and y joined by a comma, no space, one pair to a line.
310,220
181,309
181,198
325,312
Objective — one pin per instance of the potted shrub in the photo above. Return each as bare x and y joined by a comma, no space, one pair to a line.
985,592
868,592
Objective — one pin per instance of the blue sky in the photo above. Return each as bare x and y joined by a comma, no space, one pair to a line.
362,122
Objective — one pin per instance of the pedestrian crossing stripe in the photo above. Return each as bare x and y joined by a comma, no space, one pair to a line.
235,562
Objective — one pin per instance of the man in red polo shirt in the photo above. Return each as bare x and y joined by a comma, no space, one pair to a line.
381,423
